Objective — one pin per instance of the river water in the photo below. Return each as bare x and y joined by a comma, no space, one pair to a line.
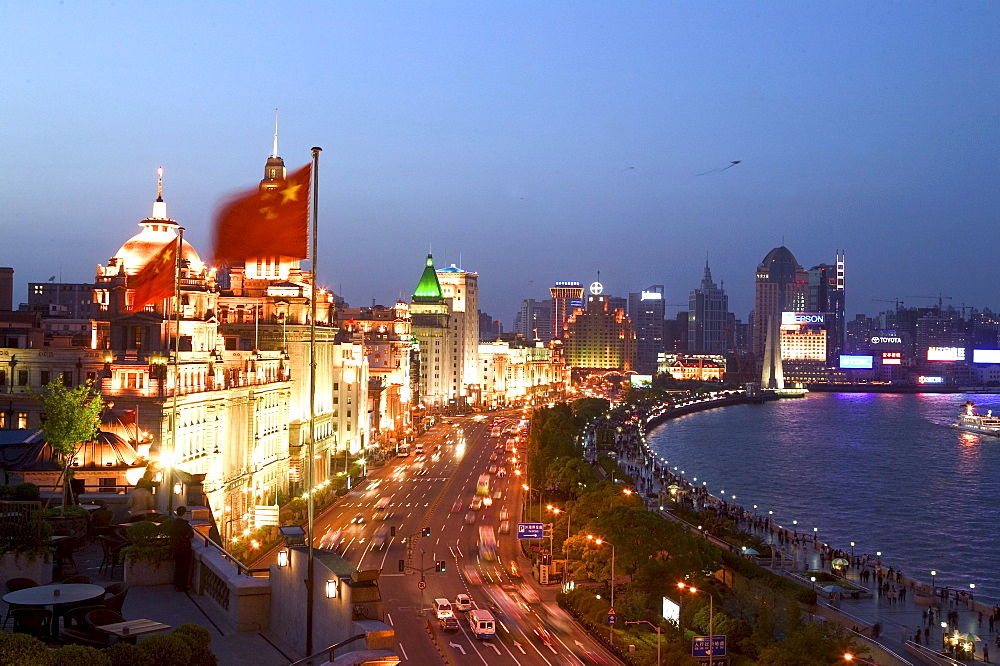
883,470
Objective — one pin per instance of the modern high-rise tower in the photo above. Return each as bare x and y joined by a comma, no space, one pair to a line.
826,294
565,297
534,320
708,311
646,309
782,286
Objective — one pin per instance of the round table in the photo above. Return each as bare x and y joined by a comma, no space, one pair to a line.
44,595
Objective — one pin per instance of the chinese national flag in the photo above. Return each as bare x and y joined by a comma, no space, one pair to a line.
266,223
155,280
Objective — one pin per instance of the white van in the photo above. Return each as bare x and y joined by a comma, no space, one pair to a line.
482,624
442,609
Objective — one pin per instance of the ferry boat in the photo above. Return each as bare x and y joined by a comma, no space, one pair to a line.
980,424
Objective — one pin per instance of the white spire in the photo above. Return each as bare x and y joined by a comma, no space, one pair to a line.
159,206
274,150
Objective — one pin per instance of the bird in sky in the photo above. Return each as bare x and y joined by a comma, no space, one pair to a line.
728,166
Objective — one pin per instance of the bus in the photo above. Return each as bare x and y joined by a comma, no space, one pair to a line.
487,544
483,485
382,508
403,450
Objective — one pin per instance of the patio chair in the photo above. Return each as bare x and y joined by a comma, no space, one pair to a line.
90,638
76,618
13,585
111,549
102,616
115,601
74,580
34,621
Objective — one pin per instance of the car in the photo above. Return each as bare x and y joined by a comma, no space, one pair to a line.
449,623
505,527
463,602
504,514
501,472
457,506
497,494
476,504
544,635
492,469
358,519
487,501
470,518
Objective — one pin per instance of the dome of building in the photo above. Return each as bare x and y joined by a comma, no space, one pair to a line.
779,255
156,233
779,265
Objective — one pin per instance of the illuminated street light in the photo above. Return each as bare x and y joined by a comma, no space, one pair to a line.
711,614
600,542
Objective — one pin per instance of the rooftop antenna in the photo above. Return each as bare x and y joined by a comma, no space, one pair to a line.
274,149
159,183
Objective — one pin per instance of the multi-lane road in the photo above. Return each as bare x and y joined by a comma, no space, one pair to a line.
429,519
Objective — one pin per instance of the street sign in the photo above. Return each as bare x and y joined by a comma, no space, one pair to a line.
422,584
530,530
612,618
704,646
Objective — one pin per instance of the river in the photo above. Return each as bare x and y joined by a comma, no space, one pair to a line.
883,470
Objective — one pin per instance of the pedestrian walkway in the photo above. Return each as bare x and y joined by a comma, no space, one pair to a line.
897,612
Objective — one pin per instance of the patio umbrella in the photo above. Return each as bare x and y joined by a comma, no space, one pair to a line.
840,562
834,588
968,637
750,551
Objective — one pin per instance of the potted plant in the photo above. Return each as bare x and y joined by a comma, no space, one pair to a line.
25,550
149,557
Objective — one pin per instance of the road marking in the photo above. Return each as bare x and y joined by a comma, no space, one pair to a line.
390,619
518,646
401,649
456,645
493,646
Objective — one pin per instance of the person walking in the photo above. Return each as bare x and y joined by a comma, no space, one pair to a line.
181,533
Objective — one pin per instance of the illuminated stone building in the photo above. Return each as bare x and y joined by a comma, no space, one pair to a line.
519,372
598,337
430,318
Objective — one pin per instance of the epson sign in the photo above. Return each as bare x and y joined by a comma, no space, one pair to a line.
802,318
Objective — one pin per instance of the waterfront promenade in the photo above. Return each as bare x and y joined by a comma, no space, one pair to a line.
888,619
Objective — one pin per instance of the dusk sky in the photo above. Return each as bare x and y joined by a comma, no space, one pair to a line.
530,142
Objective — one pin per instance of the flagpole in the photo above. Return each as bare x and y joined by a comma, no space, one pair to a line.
169,476
311,504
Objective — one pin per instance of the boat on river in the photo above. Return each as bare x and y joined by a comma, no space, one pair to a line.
981,424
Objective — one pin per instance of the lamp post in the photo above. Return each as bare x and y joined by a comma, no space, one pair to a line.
852,657
711,616
654,626
10,380
852,553
600,542
933,586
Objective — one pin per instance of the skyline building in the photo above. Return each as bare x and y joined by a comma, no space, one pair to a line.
827,295
598,337
461,289
566,296
646,310
781,286
534,320
430,318
708,317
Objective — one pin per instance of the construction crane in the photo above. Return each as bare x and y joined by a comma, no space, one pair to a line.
896,301
940,299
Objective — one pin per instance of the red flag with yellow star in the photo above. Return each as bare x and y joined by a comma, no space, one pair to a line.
155,280
266,223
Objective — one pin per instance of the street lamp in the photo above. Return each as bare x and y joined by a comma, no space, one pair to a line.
852,657
933,587
852,552
654,626
600,542
711,616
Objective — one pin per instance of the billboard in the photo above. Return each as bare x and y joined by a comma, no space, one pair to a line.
892,358
856,362
924,379
671,611
986,355
946,353
795,318
640,381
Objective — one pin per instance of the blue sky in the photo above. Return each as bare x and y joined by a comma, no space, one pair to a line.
531,142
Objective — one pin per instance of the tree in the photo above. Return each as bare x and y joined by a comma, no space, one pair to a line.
70,418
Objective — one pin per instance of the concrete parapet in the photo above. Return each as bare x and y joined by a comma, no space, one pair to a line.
245,600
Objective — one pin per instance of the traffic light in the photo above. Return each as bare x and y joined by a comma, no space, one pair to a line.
402,565
437,565
427,532
444,565
546,560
